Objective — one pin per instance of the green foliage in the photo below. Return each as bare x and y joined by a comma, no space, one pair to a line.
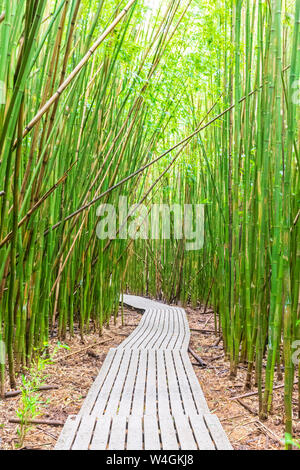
31,402
289,441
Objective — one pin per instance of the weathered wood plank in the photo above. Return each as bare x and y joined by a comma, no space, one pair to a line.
175,398
217,432
164,331
158,333
127,395
114,398
68,433
194,384
135,433
163,393
201,433
154,319
151,384
143,325
187,333
118,433
151,433
138,403
165,343
101,433
104,394
185,389
185,433
94,391
84,433
174,337
168,433
141,303
182,327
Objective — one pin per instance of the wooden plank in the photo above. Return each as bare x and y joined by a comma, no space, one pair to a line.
164,344
68,433
150,331
141,303
101,433
166,332
175,335
155,331
161,341
163,331
84,433
138,339
150,344
194,384
163,393
175,398
104,394
118,433
127,395
187,333
164,320
150,408
201,433
217,432
114,399
185,389
135,433
181,335
138,403
168,433
94,391
185,433
151,433
142,325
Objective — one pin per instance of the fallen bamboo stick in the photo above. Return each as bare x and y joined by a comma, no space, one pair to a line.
248,408
202,363
251,394
49,422
195,330
262,427
79,351
15,393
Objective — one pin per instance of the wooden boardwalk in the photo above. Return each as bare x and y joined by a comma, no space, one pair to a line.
147,396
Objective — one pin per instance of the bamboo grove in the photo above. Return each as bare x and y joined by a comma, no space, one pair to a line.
245,170
189,102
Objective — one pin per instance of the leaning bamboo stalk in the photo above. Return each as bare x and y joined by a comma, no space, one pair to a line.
76,71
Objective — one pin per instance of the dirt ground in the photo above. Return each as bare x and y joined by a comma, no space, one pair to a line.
75,369
239,418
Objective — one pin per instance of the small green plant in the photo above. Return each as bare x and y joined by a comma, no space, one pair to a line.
55,351
289,441
29,408
31,403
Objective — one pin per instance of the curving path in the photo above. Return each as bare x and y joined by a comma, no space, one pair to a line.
147,396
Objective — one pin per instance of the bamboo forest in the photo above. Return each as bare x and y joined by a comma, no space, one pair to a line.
149,225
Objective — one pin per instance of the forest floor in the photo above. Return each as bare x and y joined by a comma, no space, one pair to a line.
75,369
